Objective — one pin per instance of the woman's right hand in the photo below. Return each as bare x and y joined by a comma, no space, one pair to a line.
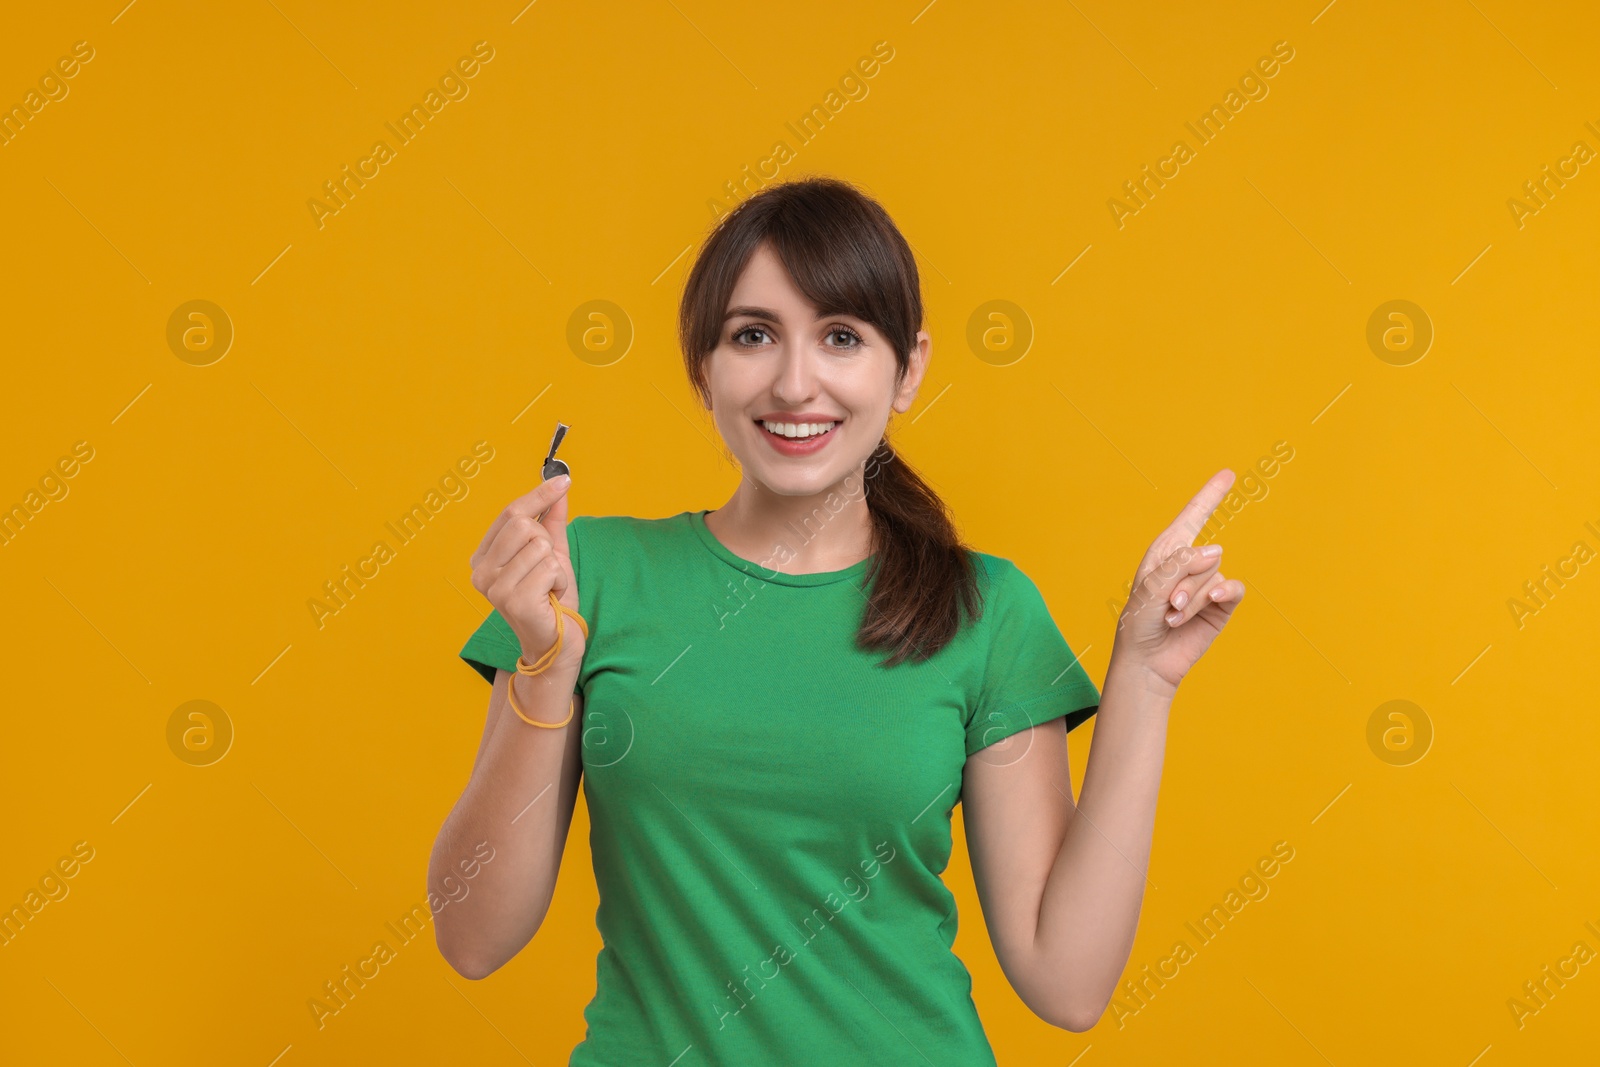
521,559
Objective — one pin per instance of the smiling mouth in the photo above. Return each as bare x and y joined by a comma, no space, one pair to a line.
803,431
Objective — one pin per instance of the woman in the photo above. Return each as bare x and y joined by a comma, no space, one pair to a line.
775,705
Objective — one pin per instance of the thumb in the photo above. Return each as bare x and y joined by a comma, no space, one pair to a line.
1154,584
554,520
1160,580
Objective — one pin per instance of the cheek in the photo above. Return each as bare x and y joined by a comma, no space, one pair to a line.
730,383
869,401
731,395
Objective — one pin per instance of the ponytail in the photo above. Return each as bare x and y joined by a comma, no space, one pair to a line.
922,577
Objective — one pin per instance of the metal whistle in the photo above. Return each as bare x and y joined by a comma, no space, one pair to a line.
553,466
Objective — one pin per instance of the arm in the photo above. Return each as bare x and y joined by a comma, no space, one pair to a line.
1061,885
519,800
524,783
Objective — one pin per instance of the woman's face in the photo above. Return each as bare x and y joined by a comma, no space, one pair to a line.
778,359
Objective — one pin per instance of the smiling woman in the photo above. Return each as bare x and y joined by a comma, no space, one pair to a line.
848,691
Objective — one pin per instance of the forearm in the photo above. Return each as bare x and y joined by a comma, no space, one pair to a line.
1089,909
517,802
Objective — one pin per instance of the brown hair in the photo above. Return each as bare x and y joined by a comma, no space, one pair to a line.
845,254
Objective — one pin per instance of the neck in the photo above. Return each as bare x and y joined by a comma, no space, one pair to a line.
829,531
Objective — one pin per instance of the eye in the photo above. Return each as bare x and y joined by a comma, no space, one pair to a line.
837,330
747,330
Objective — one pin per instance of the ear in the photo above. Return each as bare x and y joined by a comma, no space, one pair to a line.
906,395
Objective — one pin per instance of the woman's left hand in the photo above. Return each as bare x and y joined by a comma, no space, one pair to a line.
1180,599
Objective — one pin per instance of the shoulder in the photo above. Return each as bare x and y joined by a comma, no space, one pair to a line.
596,538
992,576
615,556
990,566
996,575
605,529
1006,593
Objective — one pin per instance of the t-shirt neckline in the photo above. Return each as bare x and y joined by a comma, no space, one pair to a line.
697,522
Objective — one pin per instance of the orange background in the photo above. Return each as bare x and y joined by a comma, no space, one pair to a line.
436,309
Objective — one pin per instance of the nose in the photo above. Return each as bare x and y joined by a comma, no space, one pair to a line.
797,379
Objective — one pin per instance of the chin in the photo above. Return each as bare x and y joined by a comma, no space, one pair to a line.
793,481
797,487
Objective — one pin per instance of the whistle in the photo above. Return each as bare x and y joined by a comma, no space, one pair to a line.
553,466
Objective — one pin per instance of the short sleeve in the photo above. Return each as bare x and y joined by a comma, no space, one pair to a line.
1030,675
494,644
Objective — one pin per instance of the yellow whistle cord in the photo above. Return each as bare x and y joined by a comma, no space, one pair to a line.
544,661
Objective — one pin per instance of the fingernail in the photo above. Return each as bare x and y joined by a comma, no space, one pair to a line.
1211,551
1173,616
563,480
1181,599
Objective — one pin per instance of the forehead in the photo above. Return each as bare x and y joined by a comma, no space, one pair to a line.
765,290
765,280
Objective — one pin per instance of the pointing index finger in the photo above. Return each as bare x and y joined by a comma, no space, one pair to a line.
1193,517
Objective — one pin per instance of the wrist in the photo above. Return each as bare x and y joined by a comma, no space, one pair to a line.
567,661
1139,677
534,692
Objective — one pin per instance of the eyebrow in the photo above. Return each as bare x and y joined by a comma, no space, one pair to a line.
768,313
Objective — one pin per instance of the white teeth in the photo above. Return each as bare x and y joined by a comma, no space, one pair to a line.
798,430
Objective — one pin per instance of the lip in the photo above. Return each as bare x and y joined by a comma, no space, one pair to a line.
798,417
786,447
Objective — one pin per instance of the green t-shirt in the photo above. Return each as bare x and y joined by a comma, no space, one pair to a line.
770,809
